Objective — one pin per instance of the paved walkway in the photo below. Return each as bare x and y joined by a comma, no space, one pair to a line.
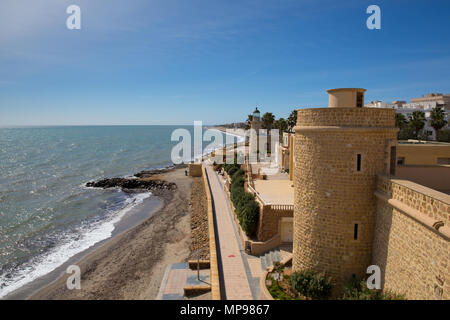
176,277
234,265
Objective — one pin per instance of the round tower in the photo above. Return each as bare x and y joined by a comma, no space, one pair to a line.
338,153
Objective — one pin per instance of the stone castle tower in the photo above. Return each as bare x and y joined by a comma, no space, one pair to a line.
338,153
255,125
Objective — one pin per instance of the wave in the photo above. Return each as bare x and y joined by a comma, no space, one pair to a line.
71,244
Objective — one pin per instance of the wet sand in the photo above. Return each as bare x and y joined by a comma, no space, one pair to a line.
131,265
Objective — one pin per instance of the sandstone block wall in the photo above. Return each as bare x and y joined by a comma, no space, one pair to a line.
195,169
414,256
269,221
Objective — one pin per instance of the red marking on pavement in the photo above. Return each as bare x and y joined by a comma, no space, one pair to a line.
231,256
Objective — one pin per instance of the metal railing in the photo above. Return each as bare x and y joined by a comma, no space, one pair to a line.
197,254
282,207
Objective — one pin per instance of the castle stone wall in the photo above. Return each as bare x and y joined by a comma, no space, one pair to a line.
411,244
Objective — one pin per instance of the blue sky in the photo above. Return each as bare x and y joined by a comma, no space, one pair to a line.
173,62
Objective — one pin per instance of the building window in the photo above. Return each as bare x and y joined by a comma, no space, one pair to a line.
358,162
401,161
355,232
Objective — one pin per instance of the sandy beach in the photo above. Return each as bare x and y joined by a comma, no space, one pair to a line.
237,132
131,265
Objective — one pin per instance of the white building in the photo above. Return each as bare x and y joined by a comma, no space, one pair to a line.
424,104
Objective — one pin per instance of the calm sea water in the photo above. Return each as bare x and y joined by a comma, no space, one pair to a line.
46,213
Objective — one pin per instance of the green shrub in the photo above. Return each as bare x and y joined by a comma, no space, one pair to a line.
277,292
239,173
237,182
237,192
311,284
249,216
232,170
247,209
443,135
227,167
241,199
358,290
351,287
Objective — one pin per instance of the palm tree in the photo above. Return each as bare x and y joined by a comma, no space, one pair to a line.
417,122
400,120
437,117
267,120
292,120
282,125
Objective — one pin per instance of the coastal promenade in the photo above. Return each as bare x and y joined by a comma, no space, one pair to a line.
235,271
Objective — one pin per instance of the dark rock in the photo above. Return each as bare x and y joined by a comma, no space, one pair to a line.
149,173
131,184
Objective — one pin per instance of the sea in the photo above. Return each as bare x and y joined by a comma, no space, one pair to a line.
47,215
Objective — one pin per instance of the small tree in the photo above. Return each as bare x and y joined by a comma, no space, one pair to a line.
437,118
417,122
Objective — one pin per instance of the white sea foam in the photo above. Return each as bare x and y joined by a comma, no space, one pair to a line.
57,256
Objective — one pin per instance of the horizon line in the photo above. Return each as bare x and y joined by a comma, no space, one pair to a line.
99,125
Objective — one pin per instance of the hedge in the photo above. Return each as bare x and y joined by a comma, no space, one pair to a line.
247,209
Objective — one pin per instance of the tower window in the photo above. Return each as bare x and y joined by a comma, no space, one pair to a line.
355,232
359,100
358,162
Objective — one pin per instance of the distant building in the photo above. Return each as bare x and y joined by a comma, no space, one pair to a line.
424,104
430,101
